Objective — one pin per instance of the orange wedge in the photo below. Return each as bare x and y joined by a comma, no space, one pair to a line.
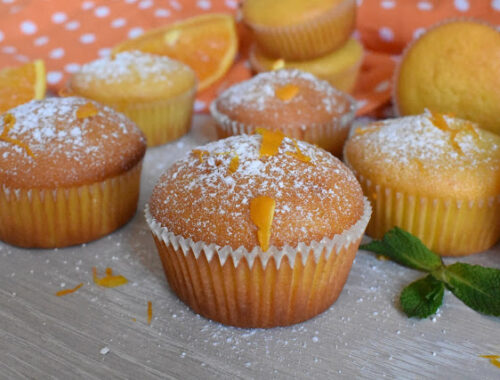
207,43
19,85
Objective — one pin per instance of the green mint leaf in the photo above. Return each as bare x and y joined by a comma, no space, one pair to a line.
406,249
476,286
422,298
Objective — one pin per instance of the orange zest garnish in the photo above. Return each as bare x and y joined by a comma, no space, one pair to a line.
262,213
200,154
63,292
494,359
271,141
108,281
286,92
235,162
440,122
8,123
86,110
364,130
150,312
299,155
278,64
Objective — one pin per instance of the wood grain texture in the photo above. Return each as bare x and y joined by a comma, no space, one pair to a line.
364,334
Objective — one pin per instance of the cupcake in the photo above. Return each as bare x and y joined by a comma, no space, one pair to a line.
70,171
291,101
297,29
436,176
257,231
155,92
340,67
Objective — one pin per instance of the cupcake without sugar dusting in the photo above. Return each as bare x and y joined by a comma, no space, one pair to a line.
156,92
291,101
257,231
69,172
436,176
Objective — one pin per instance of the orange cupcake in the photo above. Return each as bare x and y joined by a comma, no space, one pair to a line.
291,101
257,231
70,172
300,30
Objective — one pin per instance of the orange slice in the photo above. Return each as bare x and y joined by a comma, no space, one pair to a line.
207,43
19,85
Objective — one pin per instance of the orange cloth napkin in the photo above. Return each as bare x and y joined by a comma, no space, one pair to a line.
67,34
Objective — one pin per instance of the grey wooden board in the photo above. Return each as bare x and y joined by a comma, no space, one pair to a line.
364,335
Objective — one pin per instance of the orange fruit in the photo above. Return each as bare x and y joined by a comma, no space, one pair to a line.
19,85
207,43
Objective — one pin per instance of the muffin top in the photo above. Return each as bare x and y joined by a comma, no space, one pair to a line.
233,191
285,12
284,97
431,155
65,142
133,76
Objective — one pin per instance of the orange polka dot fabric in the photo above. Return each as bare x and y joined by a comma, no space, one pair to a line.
67,34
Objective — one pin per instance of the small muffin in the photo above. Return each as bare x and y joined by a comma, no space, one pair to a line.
340,67
155,92
258,231
291,101
454,67
70,171
298,29
436,176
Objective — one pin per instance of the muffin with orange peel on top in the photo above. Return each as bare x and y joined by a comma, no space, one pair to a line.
434,175
291,101
257,231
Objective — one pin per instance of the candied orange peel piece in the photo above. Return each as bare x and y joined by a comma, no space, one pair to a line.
109,280
86,110
271,141
278,64
440,122
262,214
299,155
234,163
200,154
494,359
64,292
286,92
9,121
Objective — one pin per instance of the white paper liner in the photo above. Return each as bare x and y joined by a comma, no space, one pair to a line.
353,234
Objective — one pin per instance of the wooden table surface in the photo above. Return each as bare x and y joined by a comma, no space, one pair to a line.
98,333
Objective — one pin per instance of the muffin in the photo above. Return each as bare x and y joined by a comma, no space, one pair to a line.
257,231
155,92
70,171
297,29
436,176
291,101
340,67
454,67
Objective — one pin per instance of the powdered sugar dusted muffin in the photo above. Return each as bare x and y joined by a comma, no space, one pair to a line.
291,101
433,175
70,171
154,91
258,230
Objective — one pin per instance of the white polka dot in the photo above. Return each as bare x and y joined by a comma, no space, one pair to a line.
59,17
72,67
386,34
199,105
359,2
162,12
9,49
22,58
388,4
54,76
130,1
7,1
102,11
87,5
495,4
361,103
135,32
87,38
233,4
204,4
104,52
382,86
176,5
418,32
1,36
462,5
72,25
28,27
145,4
118,23
425,6
56,53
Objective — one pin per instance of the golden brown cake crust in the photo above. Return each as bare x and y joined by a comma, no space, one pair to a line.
255,103
200,198
66,150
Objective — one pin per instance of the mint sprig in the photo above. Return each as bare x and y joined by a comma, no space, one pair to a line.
476,286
